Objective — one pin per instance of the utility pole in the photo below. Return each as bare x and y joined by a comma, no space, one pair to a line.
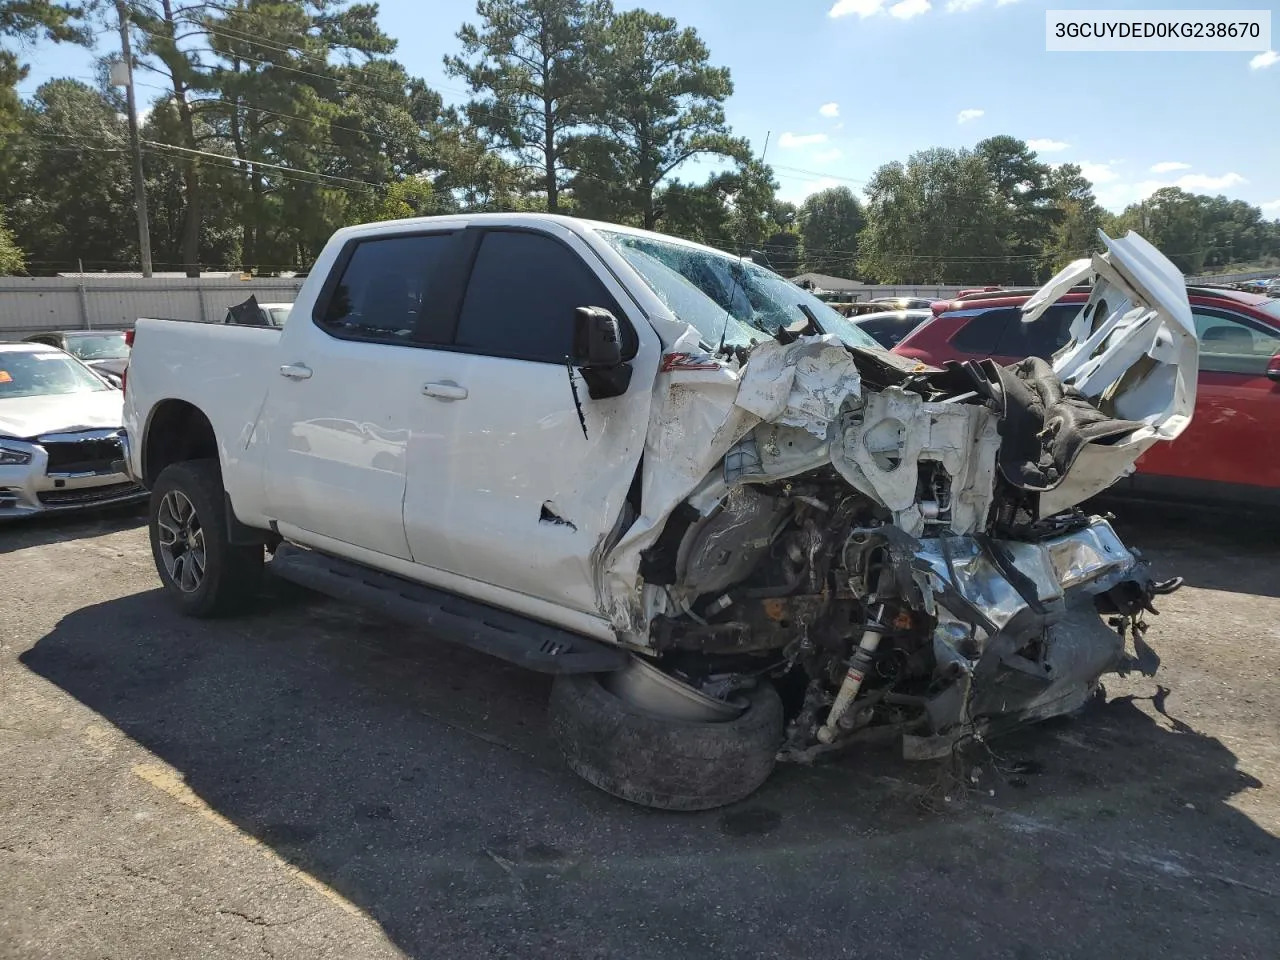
139,184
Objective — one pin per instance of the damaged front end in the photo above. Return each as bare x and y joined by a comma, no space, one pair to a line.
903,546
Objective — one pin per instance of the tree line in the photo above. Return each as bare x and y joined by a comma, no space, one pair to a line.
271,123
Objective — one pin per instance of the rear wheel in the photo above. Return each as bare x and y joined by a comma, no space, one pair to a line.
657,760
201,569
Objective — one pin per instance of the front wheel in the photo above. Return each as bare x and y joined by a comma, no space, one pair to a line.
659,761
200,568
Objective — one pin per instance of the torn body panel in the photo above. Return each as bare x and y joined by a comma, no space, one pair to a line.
905,537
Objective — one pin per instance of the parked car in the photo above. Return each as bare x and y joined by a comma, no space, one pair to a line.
106,351
903,303
1273,287
669,478
61,442
890,327
254,314
1225,455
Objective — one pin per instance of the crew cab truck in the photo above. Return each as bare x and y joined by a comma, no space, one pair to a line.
676,481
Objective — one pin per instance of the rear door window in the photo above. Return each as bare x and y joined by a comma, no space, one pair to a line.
889,331
383,285
982,332
1042,338
521,299
1229,344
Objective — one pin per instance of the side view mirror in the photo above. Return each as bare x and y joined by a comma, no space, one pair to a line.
1273,368
597,338
597,352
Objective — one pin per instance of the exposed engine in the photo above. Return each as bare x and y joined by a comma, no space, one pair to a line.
883,618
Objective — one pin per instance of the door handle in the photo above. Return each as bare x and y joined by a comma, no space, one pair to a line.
445,390
296,371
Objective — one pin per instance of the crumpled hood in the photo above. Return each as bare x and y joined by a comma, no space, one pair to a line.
28,417
796,407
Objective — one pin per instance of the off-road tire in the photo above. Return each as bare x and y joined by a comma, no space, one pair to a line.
233,574
659,762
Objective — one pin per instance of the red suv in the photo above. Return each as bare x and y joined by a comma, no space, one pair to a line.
1228,453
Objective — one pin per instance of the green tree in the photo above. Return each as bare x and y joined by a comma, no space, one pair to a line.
934,219
12,260
734,209
531,62
412,197
23,22
159,50
783,251
1234,230
1026,206
70,195
830,221
658,102
168,198
1174,222
305,98
1075,234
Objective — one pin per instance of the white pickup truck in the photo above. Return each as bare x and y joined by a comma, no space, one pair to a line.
734,527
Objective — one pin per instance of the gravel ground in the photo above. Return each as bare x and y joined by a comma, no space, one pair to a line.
310,782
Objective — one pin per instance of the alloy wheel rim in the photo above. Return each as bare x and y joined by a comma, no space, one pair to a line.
182,545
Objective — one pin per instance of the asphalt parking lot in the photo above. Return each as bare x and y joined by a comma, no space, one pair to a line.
311,782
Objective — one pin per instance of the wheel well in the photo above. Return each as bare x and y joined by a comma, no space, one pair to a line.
178,431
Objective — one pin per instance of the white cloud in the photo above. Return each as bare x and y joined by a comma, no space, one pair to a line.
1098,172
826,156
1004,3
789,141
863,8
1198,181
1116,195
796,190
964,116
1264,60
1048,146
1169,166
906,9
1271,206
962,6
830,109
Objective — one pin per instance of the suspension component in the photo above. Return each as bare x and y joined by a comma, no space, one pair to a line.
862,660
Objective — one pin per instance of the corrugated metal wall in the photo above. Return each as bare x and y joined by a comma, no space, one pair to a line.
63,303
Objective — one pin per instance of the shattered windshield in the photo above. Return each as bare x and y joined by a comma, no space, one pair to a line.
721,295
44,373
102,346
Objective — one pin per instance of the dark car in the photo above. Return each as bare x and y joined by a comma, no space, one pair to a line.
889,327
105,351
1227,454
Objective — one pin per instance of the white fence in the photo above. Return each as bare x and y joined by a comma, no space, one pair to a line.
1234,277
110,303
31,305
862,294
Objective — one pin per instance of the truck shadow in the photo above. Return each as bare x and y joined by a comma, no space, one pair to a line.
417,780
57,528
1228,551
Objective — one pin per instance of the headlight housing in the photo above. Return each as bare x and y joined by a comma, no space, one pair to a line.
10,457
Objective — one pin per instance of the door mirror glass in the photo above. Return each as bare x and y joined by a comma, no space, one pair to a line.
597,339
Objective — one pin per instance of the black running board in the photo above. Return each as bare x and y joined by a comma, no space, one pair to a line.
508,636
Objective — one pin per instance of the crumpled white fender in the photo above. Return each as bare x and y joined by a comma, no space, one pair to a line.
1133,353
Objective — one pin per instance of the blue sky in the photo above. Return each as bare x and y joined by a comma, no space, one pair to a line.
843,86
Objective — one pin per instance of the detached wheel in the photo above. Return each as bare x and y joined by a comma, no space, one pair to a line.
656,760
207,575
